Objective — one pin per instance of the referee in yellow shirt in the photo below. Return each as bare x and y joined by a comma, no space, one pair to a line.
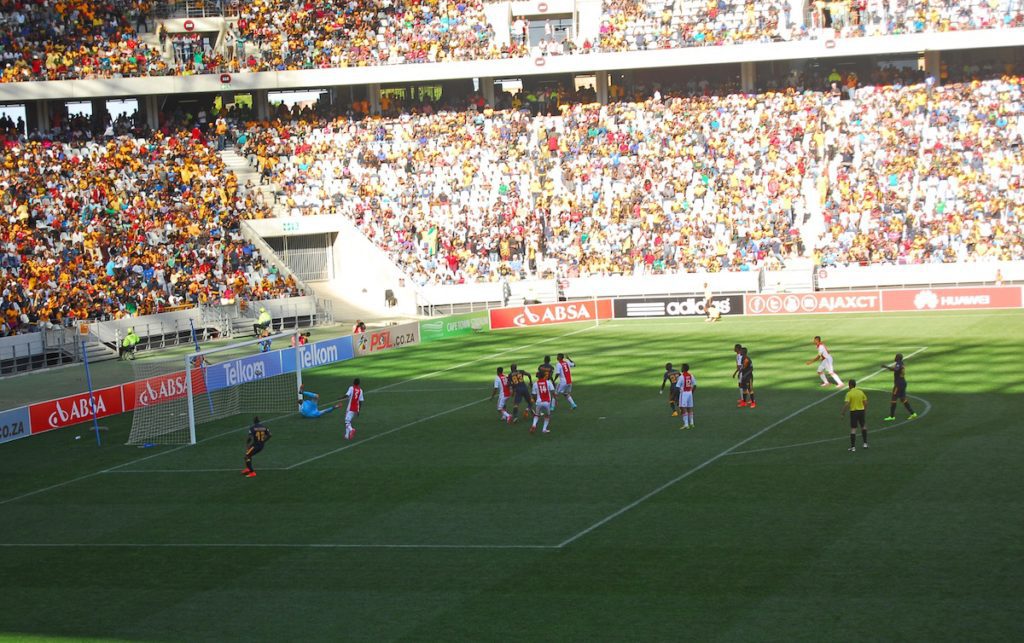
856,402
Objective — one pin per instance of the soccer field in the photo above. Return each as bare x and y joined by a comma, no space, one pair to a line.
438,522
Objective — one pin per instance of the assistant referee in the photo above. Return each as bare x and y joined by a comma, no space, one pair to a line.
856,401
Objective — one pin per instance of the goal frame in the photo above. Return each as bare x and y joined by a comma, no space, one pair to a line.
191,357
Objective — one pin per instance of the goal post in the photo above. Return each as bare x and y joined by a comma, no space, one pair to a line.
175,396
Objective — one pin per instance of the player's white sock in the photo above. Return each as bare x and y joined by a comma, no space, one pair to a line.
546,420
535,421
686,419
689,415
824,380
836,378
572,403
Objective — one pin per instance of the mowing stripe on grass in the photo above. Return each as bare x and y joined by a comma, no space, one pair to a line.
269,546
709,461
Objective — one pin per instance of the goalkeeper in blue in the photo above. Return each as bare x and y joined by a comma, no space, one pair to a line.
308,404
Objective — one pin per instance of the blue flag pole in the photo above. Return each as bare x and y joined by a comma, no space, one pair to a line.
92,397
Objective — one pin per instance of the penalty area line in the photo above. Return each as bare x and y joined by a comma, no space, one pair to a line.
927,409
650,494
388,432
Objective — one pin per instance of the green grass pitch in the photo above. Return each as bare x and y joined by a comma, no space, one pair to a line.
440,523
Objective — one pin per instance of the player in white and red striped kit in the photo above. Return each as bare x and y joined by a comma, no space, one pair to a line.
504,391
354,405
543,395
564,369
686,384
825,366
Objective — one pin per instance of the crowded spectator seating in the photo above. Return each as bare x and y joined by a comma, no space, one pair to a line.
663,24
100,38
74,39
122,226
303,35
924,174
900,174
668,24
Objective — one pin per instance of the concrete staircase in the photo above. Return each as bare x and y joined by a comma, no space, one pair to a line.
245,172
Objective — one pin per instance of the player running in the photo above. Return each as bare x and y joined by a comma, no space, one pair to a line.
565,366
354,395
517,378
686,384
308,404
254,443
543,392
746,369
899,389
671,376
825,366
504,391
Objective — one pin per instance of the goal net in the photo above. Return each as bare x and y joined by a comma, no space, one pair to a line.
172,397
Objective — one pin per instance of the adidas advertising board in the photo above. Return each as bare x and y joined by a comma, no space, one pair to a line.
691,306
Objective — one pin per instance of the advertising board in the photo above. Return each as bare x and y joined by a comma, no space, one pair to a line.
14,424
858,301
74,409
635,307
951,298
386,339
454,326
542,314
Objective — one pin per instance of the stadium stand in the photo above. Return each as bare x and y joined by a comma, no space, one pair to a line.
74,39
668,184
301,35
104,229
100,38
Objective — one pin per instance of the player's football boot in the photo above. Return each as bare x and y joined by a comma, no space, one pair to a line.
852,449
913,416
839,386
675,414
753,405
825,384
741,403
251,474
889,419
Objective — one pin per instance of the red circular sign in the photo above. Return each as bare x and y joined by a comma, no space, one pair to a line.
539,61
225,78
189,25
542,7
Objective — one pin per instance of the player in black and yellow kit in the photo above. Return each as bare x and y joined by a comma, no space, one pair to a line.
899,388
671,375
254,443
746,371
517,378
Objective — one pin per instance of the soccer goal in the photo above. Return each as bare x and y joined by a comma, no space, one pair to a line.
174,396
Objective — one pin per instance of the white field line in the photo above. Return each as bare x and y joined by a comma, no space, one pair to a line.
266,546
388,432
711,460
927,408
230,431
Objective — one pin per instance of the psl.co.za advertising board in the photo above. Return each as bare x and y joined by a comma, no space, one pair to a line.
386,339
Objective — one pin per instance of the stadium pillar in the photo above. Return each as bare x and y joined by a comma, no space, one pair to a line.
487,89
601,87
373,89
933,65
42,116
748,76
151,107
261,102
